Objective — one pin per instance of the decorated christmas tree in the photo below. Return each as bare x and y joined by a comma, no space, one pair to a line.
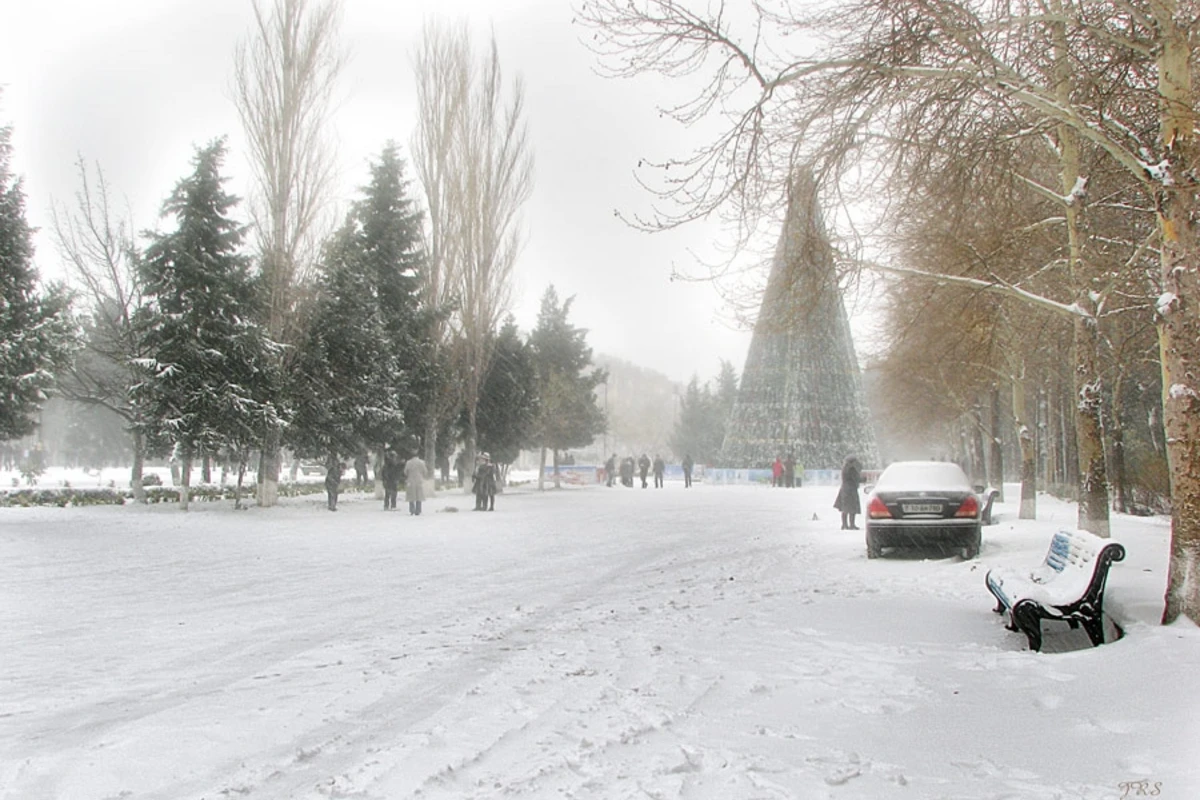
801,391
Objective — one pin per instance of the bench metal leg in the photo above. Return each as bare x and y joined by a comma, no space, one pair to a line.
1028,621
1095,630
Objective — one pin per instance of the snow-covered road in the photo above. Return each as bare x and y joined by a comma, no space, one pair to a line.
716,642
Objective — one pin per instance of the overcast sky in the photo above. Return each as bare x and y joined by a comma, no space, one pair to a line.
134,85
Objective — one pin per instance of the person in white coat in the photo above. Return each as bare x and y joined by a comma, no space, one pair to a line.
414,484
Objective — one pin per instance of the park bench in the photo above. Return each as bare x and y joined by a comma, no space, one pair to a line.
987,498
1067,586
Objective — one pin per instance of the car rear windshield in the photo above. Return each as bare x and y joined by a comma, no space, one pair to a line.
911,475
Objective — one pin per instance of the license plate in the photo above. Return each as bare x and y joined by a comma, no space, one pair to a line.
921,508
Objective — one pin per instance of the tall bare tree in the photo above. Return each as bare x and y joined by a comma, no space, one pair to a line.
96,241
442,67
285,76
473,154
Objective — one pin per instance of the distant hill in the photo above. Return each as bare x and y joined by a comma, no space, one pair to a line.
642,406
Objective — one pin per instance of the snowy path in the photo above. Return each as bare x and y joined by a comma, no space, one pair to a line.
709,643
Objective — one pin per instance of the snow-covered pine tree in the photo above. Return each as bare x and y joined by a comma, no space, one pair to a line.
37,335
567,415
388,224
508,397
703,414
344,373
364,355
206,383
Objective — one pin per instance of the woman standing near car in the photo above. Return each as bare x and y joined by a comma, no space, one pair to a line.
847,498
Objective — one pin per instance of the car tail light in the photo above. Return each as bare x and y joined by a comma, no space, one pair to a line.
969,508
876,509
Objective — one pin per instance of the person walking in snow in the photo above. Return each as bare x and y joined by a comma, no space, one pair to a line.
485,484
610,468
660,467
777,473
627,471
847,498
644,468
415,474
333,480
390,474
687,470
789,471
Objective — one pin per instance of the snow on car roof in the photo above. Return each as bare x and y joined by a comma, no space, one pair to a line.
906,475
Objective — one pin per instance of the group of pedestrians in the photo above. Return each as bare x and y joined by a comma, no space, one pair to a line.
784,472
392,467
628,468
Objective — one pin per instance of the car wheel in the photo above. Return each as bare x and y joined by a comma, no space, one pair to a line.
973,545
873,548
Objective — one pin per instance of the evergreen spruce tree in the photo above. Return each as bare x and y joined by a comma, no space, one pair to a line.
206,384
568,415
704,415
388,225
37,335
508,398
362,378
344,375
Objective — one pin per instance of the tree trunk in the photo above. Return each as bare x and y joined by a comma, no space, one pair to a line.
1179,311
1028,453
268,470
542,470
139,465
185,481
996,451
243,459
431,433
557,481
979,452
1089,431
1116,450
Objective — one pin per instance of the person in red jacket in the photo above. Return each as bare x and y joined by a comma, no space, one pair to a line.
777,472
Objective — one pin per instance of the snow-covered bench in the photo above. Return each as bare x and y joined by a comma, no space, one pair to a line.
1067,586
988,495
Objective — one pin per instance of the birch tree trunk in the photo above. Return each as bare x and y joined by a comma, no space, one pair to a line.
996,450
1179,311
1028,452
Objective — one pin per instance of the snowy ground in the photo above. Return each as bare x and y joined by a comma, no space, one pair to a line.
717,642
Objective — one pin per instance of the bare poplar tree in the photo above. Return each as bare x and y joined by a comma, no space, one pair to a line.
285,74
474,159
97,243
886,64
442,67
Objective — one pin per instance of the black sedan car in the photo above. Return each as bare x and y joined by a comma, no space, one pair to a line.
923,504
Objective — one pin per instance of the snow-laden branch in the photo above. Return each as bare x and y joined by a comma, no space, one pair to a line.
994,285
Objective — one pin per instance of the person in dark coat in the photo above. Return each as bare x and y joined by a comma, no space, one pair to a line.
847,498
485,484
660,467
644,468
333,480
610,470
627,471
789,471
391,478
687,470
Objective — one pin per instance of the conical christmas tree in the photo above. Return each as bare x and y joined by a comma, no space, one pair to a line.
801,391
